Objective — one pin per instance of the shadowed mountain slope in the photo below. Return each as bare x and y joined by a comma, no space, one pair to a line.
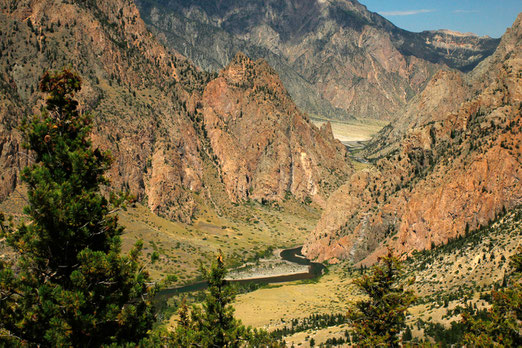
336,58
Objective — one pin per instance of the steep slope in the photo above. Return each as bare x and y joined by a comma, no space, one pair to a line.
145,100
135,87
443,94
449,173
335,57
265,147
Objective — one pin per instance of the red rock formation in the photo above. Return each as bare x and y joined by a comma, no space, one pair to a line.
148,104
126,77
453,167
264,145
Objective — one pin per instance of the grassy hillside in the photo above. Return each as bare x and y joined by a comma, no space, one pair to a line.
183,247
448,278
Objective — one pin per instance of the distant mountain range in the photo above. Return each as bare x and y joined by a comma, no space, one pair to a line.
336,58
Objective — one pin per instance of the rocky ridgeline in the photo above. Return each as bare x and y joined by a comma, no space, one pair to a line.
336,58
164,121
450,163
265,147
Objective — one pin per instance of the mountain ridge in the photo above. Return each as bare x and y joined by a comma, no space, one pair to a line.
451,170
336,58
148,101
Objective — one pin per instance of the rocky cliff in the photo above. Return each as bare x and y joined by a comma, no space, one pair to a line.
265,147
154,110
455,167
133,85
336,58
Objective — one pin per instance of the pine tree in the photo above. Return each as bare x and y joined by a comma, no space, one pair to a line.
185,334
378,320
407,336
501,324
218,325
70,285
213,324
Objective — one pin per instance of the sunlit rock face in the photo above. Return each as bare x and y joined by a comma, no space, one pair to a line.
265,147
457,164
163,120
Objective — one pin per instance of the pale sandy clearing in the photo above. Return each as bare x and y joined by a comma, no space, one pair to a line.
353,130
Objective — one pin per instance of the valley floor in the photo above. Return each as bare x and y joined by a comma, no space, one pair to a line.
448,278
353,130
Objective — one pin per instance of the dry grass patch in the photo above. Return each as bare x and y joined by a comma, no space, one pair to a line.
273,306
183,247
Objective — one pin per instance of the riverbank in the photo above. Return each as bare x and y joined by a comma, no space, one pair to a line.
274,266
292,259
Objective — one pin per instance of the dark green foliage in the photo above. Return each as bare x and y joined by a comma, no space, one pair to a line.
500,325
70,286
314,322
407,335
335,342
213,324
445,337
217,321
378,320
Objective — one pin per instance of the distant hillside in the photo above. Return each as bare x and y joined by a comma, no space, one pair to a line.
450,163
336,58
165,121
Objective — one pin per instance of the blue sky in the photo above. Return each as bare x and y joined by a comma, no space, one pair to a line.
482,17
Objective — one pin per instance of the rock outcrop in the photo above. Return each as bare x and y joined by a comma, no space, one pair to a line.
132,84
455,168
156,112
265,147
336,58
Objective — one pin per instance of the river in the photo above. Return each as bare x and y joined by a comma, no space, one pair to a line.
292,255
